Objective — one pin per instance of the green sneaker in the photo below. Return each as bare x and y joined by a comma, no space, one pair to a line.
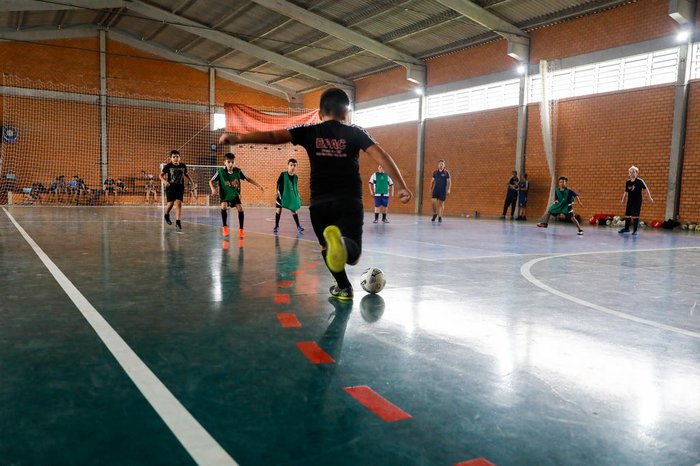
336,254
341,293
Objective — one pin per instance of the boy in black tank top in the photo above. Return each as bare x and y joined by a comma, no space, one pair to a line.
633,193
336,187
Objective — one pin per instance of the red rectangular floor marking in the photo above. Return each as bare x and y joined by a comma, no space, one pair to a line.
288,320
297,273
281,298
285,283
314,352
380,406
312,265
476,462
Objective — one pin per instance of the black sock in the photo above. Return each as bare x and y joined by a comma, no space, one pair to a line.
341,278
224,216
240,220
383,216
636,224
296,219
177,222
376,216
277,219
627,223
354,250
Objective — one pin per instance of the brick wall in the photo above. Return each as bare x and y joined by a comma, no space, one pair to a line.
690,188
596,140
485,59
479,153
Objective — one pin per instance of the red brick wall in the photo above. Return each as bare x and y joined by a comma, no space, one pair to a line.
475,61
627,24
383,84
690,188
400,141
479,153
597,138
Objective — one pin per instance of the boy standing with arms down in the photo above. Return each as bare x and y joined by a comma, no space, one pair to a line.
336,187
173,177
563,205
288,195
381,186
228,183
633,192
440,187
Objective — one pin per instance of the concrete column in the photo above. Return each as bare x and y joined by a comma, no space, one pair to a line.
104,154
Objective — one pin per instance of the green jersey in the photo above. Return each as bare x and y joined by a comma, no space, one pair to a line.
229,183
564,202
381,182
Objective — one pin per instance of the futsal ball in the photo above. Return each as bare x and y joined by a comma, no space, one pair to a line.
684,226
372,280
697,228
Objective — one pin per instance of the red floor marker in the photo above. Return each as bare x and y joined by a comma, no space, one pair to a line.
296,273
285,283
288,320
312,265
314,352
281,298
373,401
476,462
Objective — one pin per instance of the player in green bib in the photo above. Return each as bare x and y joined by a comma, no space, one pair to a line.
563,205
288,195
382,187
227,181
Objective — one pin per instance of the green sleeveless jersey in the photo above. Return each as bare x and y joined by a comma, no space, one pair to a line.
230,183
381,183
290,192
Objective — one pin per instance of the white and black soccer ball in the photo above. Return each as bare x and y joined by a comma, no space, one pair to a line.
372,280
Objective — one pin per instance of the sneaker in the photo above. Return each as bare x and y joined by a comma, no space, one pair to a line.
376,220
634,233
542,225
336,254
434,217
167,219
624,230
276,229
580,233
300,229
439,219
341,293
384,220
225,231
241,233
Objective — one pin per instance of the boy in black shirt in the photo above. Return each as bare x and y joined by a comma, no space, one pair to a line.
336,187
633,192
173,177
288,195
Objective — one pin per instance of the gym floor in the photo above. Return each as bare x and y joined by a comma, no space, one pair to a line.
494,342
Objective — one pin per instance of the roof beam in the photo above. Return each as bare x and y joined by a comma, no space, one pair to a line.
36,5
222,38
518,40
50,33
199,64
415,68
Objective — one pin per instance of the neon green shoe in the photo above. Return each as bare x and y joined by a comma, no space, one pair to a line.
336,254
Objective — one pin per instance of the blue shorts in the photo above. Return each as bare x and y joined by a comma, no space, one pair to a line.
522,200
381,201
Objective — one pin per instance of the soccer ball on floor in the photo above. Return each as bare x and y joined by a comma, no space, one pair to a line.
372,280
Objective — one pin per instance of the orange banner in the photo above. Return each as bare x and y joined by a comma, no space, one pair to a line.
242,119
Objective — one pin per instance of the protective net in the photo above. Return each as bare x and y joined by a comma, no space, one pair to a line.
58,148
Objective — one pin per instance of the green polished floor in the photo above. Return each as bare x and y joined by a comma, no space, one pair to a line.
498,340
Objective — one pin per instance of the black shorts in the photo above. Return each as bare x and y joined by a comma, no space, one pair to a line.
345,213
440,195
175,192
633,209
233,202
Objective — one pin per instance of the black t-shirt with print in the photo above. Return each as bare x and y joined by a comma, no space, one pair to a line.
634,190
175,173
334,151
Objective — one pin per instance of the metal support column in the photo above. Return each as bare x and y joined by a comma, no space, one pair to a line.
420,149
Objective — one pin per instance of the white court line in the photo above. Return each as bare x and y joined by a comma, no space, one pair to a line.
525,271
197,441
